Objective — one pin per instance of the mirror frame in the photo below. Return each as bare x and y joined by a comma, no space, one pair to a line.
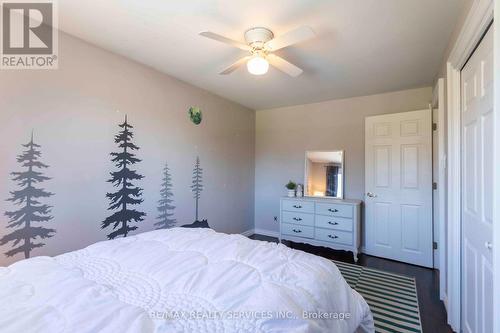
343,173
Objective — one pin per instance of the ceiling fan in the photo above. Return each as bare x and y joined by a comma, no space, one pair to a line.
261,44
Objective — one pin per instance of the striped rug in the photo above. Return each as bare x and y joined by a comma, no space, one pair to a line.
392,298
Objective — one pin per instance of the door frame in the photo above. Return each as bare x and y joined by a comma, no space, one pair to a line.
477,22
438,104
496,171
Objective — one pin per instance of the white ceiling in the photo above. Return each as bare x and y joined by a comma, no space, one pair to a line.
363,46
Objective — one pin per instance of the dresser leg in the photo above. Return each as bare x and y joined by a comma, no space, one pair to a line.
355,256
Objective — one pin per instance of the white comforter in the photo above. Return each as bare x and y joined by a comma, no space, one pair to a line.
179,280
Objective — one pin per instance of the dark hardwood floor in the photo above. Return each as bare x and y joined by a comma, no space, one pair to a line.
432,310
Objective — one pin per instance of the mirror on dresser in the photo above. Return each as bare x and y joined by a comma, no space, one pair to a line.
324,174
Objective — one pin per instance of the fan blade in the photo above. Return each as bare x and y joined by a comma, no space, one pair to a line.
292,37
284,65
235,66
225,40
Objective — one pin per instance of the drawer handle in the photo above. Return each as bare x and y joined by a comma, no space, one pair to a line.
297,231
333,210
297,219
297,206
333,223
333,237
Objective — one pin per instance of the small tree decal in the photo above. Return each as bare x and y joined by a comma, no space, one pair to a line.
32,210
165,207
197,185
128,194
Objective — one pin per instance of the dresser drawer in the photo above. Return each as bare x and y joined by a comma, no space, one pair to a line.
298,206
333,209
334,236
297,230
298,218
337,223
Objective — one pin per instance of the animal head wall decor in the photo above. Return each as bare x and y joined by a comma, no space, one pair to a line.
195,115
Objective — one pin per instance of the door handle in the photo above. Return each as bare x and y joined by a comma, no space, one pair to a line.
488,245
371,195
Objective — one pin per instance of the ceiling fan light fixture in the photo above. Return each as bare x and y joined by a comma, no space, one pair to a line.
257,65
261,44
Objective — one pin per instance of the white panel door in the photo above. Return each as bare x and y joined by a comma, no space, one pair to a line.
398,184
477,189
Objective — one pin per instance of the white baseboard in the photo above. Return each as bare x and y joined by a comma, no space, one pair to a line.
248,233
263,232
445,302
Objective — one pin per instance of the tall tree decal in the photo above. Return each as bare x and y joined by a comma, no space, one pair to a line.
165,207
128,194
32,211
197,185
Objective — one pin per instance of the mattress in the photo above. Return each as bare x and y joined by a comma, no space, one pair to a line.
180,280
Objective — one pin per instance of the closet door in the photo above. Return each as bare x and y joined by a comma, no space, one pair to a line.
398,187
477,189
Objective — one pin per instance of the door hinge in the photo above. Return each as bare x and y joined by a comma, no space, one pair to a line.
434,126
434,186
435,245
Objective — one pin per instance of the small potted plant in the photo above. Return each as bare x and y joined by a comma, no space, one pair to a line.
291,186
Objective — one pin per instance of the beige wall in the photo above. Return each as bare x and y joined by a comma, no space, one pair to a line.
74,112
284,134
454,36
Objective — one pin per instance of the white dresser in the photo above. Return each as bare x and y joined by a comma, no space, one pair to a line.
319,221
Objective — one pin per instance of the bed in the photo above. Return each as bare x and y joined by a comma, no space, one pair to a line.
180,280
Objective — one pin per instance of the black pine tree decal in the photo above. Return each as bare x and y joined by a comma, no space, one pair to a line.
32,210
165,207
197,185
128,194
